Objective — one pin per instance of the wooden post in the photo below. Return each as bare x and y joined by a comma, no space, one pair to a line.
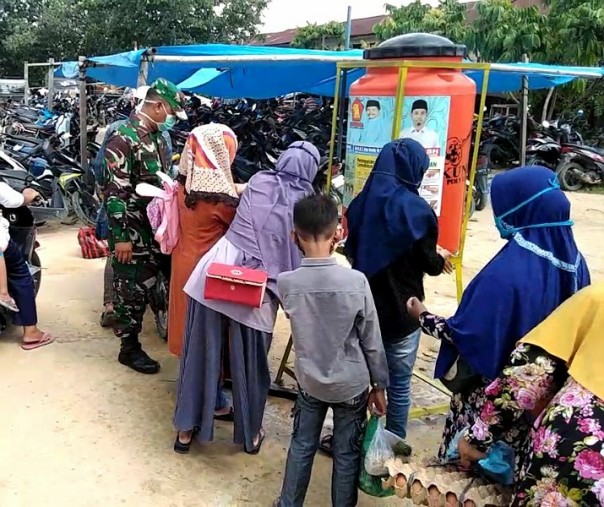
51,83
26,85
83,114
143,71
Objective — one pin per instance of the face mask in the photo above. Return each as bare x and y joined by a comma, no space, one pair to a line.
506,230
168,123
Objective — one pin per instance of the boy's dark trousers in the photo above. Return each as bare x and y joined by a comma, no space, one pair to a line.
349,419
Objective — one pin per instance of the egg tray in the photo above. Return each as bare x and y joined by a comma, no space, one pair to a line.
443,486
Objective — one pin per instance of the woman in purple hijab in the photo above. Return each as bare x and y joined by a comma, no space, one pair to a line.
259,238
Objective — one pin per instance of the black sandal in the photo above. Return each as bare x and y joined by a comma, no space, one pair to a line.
181,447
230,417
256,449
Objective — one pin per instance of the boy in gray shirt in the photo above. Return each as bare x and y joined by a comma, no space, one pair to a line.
339,354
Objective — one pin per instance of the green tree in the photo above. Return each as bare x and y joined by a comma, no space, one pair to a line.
64,29
400,20
313,36
504,32
576,29
448,20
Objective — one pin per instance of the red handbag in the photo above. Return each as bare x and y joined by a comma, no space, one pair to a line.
235,284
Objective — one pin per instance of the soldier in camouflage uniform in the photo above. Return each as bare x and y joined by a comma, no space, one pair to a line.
134,155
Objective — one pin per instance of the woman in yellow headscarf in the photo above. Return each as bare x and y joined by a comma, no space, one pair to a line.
555,374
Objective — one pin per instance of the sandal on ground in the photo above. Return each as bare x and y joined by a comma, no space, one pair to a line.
9,303
46,339
229,417
256,449
326,445
181,447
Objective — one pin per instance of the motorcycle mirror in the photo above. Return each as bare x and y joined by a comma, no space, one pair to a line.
545,124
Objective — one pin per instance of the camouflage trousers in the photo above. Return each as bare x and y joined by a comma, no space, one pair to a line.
132,288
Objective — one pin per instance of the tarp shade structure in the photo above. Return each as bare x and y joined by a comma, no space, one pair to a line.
266,72
67,70
540,76
266,76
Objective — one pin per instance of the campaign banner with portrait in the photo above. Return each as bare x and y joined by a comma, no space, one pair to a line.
370,123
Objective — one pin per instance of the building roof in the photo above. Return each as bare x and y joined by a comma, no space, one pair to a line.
360,27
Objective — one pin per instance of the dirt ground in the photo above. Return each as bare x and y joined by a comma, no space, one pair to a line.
80,430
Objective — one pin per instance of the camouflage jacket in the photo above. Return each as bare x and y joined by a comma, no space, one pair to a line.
133,155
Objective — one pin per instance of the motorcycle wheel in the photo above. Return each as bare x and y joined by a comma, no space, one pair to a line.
569,181
480,201
35,261
161,306
496,156
85,206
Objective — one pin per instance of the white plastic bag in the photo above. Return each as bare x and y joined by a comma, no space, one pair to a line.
380,451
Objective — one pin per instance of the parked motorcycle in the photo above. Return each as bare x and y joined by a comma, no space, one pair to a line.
580,166
63,181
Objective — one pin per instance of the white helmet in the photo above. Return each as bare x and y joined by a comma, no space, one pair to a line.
141,92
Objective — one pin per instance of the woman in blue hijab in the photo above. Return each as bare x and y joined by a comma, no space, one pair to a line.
392,240
539,267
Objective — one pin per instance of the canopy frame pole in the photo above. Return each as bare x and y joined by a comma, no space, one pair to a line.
524,125
82,63
341,113
222,60
348,32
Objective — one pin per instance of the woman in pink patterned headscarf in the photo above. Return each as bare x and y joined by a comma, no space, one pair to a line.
207,201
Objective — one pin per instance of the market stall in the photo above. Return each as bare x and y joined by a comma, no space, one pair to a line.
262,72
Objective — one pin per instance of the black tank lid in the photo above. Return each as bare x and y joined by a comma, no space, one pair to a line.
415,45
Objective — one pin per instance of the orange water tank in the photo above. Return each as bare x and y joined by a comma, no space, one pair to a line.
438,111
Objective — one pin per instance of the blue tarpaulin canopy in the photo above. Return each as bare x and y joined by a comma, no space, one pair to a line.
232,71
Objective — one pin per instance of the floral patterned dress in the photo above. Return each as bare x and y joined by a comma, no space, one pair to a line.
565,466
465,407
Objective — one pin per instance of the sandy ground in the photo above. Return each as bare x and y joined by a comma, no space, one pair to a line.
81,430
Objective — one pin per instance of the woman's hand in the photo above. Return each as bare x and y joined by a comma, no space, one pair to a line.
446,255
468,453
415,308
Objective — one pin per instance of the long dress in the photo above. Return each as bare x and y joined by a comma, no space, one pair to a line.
465,407
210,327
200,229
565,465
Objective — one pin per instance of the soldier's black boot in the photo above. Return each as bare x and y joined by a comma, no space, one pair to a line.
133,356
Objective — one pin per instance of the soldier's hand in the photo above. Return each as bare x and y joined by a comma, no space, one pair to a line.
123,252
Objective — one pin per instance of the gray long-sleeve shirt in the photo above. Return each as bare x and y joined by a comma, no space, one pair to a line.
339,349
